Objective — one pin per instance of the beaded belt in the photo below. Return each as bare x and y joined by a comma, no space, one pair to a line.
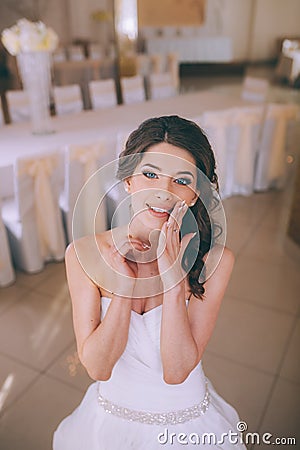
171,417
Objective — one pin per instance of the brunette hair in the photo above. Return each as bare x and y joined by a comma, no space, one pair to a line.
188,135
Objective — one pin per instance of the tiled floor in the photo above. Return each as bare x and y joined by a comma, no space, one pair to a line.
252,358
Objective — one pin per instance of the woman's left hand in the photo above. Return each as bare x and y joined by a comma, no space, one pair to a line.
170,249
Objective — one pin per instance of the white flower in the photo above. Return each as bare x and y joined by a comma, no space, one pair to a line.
11,41
28,36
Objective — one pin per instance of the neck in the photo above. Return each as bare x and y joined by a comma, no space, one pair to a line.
148,236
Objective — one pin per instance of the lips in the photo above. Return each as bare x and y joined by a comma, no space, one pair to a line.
158,211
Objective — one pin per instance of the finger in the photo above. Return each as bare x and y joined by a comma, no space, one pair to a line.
172,221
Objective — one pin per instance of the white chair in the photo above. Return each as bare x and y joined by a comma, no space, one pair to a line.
80,163
96,51
33,218
173,68
161,85
7,273
67,99
255,89
158,63
103,93
271,167
133,90
18,106
59,55
75,53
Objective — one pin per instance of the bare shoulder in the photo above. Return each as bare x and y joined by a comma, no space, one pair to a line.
84,257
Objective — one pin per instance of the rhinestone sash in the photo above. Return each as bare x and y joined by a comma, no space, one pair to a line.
168,418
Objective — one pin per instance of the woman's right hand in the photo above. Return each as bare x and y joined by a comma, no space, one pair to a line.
123,263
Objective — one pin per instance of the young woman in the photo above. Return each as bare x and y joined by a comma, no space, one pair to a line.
145,309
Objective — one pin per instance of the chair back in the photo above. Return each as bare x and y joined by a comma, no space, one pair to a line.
103,93
133,90
96,51
75,53
38,181
18,106
59,55
255,89
67,99
271,165
80,164
7,273
161,85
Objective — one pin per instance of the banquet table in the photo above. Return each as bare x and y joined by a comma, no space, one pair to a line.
103,125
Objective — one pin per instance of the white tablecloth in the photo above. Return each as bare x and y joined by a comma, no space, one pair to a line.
105,125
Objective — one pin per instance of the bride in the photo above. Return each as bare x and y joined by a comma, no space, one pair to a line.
145,301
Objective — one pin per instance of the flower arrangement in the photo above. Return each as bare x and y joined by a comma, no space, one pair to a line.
28,36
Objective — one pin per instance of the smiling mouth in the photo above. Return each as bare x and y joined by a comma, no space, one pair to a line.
159,210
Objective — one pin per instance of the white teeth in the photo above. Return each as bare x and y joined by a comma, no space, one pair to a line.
158,209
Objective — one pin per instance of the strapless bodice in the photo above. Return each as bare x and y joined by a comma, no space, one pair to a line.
137,378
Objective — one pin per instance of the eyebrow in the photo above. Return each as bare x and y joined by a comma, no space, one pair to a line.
184,172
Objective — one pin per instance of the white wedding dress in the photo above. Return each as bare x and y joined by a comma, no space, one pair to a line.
135,409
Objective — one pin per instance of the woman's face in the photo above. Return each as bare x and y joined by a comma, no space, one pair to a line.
166,174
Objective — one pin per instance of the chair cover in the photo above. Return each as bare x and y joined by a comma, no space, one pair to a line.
247,124
18,106
103,93
67,99
133,90
255,89
216,125
158,63
173,68
75,53
271,162
33,218
161,85
96,51
81,162
59,55
7,273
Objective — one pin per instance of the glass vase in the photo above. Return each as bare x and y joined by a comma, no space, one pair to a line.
35,72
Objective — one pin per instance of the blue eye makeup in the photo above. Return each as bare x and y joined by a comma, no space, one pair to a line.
183,181
149,174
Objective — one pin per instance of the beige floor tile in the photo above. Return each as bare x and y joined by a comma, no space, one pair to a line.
37,329
291,365
282,415
251,209
69,369
251,335
35,280
269,246
239,231
273,285
54,284
30,422
244,388
14,379
10,295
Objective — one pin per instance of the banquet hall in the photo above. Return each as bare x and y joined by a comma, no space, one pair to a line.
67,106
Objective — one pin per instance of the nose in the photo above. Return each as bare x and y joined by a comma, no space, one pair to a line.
164,192
163,195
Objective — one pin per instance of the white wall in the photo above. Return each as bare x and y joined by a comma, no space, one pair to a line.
273,19
255,25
